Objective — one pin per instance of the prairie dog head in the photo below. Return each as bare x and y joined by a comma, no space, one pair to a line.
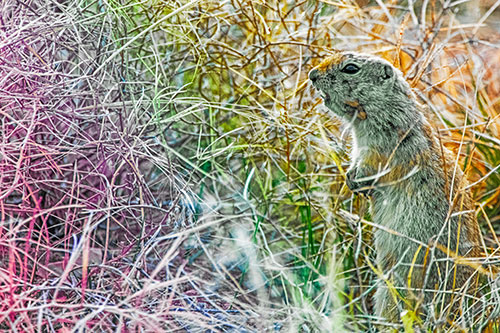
358,87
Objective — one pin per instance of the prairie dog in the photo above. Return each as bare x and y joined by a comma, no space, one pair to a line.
415,187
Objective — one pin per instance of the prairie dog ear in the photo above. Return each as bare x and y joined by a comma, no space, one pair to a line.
387,72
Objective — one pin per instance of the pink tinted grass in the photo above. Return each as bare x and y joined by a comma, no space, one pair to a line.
84,186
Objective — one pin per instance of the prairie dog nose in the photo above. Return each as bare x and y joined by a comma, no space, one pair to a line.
313,75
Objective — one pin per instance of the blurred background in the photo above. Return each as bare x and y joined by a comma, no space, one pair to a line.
165,166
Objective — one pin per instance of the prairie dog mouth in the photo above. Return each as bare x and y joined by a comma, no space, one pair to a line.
355,109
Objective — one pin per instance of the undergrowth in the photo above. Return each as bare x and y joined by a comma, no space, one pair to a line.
166,166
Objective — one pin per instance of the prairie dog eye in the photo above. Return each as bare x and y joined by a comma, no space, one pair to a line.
350,69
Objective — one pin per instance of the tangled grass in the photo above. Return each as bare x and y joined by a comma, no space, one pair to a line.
166,166
97,216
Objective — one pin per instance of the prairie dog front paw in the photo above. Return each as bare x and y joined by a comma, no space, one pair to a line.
355,184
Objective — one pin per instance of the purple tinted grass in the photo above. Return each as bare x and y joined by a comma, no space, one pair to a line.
86,190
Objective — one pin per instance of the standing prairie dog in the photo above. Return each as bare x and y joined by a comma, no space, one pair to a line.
428,230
